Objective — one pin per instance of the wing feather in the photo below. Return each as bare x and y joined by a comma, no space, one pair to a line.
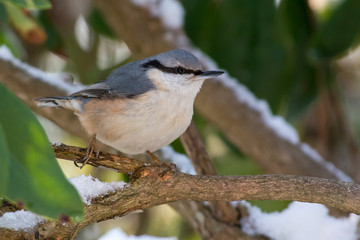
126,81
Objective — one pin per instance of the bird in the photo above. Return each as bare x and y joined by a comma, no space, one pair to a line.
141,106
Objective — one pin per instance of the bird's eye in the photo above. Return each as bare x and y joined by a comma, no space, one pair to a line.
180,70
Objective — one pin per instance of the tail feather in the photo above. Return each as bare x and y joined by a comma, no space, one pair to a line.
73,103
52,101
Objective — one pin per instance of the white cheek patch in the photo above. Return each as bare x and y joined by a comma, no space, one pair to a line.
155,75
176,80
184,84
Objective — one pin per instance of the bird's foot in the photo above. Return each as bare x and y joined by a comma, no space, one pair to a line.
89,151
154,158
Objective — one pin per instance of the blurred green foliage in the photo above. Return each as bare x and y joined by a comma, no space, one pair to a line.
276,51
5,162
339,31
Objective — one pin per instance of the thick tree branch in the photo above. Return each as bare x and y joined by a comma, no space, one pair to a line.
153,185
341,195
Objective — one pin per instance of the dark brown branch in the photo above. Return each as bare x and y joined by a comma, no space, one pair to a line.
341,195
158,184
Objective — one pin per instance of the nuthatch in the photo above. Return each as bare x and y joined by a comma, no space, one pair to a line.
141,106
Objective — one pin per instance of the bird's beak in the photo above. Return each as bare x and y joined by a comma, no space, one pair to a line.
208,74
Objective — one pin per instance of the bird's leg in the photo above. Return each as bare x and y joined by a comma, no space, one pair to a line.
154,158
89,151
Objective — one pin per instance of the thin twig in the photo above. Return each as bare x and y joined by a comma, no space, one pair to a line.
121,164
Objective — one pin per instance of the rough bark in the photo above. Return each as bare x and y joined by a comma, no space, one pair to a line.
157,184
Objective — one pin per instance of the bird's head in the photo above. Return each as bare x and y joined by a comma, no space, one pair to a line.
177,70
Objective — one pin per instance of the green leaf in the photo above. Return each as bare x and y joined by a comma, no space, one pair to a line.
30,4
340,31
35,176
4,163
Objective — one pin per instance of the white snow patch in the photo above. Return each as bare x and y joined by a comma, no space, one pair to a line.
54,79
170,12
117,234
57,144
180,160
277,123
300,221
89,187
20,220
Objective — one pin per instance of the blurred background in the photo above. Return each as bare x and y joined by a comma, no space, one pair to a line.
300,56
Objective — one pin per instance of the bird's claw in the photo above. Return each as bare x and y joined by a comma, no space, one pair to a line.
89,151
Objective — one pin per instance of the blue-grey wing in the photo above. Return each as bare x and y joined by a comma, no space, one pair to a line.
127,81
93,91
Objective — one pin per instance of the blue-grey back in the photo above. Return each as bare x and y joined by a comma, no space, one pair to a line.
126,81
131,80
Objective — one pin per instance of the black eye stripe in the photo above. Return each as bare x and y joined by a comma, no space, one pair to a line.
175,70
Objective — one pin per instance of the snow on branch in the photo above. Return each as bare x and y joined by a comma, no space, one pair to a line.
89,187
54,79
20,220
